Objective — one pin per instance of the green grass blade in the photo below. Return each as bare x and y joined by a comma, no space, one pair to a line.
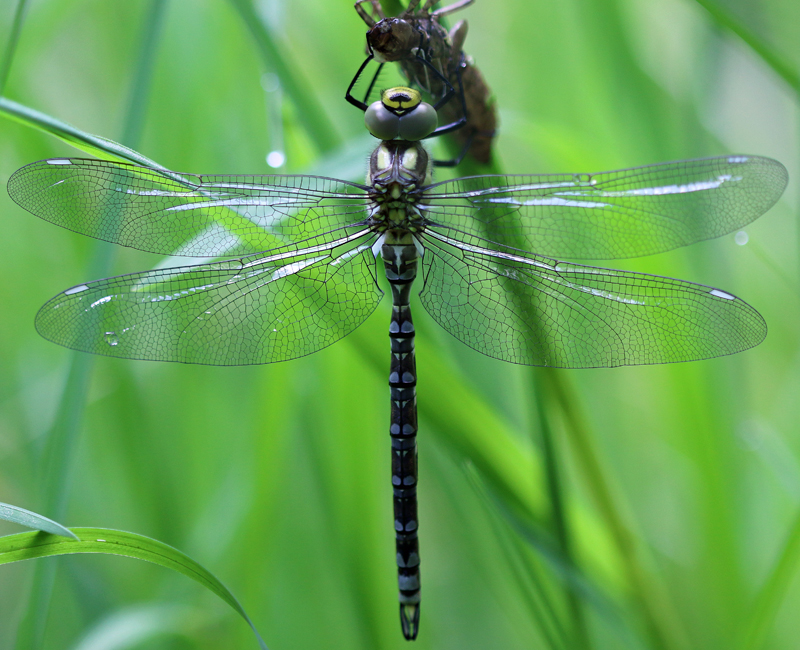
138,94
30,519
568,572
561,524
769,600
94,145
529,579
11,44
56,468
644,591
29,546
309,111
779,65
58,458
132,627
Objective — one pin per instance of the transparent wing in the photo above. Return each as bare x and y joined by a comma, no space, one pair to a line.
171,213
537,311
256,309
625,213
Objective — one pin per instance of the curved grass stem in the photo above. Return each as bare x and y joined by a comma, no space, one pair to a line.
779,65
651,605
57,462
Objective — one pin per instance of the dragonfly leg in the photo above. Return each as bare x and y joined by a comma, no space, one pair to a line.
453,162
365,16
349,96
449,9
412,5
453,126
373,82
450,90
428,4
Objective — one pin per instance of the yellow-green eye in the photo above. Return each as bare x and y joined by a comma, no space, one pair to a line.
400,98
381,122
401,113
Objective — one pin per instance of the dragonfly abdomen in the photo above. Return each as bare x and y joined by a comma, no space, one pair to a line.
400,262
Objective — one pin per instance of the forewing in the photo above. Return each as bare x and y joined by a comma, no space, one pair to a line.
537,311
616,214
172,213
256,309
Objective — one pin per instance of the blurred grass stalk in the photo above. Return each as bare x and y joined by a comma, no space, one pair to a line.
555,487
727,21
766,605
58,457
11,44
755,629
309,110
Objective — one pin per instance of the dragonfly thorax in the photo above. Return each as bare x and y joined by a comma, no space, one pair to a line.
397,171
399,161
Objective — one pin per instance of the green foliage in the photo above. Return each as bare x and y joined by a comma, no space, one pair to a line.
29,546
647,507
33,520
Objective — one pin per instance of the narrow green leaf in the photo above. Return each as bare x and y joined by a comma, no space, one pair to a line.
94,145
58,459
28,546
769,600
309,110
32,520
11,44
556,491
139,93
779,65
646,593
132,627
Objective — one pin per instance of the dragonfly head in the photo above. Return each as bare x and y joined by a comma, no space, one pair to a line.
391,39
402,114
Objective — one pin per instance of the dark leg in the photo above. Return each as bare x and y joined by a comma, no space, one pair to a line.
457,160
365,16
372,83
348,96
453,126
444,11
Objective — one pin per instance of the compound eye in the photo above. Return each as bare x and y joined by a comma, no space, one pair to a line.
381,122
418,123
401,99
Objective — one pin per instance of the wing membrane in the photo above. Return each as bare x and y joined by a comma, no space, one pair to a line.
256,309
197,216
616,214
537,311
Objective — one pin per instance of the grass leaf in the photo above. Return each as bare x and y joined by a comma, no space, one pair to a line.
29,546
30,519
94,145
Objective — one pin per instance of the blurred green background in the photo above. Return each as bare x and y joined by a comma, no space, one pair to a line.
648,507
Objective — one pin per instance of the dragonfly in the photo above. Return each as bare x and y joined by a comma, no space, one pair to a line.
433,59
298,267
